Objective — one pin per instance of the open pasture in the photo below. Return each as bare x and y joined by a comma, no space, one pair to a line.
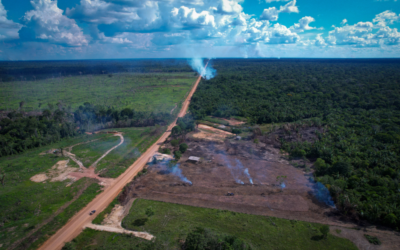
152,92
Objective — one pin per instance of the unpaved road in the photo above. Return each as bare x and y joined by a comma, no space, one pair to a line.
75,225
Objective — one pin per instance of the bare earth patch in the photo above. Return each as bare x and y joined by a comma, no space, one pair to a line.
208,133
112,222
234,122
59,172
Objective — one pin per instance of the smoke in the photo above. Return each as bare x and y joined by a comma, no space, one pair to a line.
197,64
321,193
175,170
246,171
283,185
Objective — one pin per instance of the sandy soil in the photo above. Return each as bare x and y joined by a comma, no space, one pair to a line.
208,133
78,221
59,172
142,235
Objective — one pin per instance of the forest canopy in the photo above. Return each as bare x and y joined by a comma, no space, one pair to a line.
356,102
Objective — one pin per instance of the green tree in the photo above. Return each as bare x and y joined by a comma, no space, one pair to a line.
177,154
176,130
183,147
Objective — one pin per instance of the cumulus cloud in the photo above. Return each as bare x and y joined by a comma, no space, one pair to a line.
47,23
229,7
303,24
272,13
344,21
386,18
320,41
367,34
8,29
263,32
188,17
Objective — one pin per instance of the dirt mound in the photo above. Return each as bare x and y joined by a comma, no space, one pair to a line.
59,172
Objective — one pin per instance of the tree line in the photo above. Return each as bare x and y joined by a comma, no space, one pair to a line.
19,133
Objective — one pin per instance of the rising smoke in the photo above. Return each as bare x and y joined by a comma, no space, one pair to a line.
246,171
175,170
321,193
197,64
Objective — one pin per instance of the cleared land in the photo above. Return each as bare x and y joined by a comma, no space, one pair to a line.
152,92
170,223
249,171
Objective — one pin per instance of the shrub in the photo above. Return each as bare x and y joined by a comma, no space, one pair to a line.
166,151
236,131
140,222
149,212
372,239
324,230
175,142
177,154
69,246
183,147
176,130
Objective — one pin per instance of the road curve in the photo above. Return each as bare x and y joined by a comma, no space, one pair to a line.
75,225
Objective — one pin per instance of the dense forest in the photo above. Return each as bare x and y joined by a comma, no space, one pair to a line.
19,133
36,70
356,102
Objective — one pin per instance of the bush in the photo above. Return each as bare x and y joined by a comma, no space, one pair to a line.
183,147
177,154
176,130
341,167
324,230
175,142
140,222
149,212
201,238
236,131
372,239
166,151
69,246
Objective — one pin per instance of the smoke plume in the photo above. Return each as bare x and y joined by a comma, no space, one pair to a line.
175,170
321,193
197,64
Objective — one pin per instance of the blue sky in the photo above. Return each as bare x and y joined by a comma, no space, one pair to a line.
99,29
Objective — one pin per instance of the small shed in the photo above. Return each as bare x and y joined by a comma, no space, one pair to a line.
193,159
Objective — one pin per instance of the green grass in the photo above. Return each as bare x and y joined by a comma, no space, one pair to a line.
154,92
51,228
136,141
25,204
216,120
172,222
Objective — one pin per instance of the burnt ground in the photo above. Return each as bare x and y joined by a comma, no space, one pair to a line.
223,165
220,172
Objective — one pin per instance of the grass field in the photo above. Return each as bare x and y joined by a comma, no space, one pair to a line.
172,222
25,204
155,92
136,141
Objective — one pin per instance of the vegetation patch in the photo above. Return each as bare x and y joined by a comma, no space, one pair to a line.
175,225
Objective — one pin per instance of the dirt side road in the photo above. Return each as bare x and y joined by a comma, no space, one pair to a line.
75,225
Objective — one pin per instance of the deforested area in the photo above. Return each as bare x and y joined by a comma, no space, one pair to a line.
351,106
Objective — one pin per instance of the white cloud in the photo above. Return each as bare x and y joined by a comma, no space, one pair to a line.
319,41
386,18
303,24
188,17
8,29
263,32
367,34
343,22
229,7
272,13
46,22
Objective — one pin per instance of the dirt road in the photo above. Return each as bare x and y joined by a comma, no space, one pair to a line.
75,225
